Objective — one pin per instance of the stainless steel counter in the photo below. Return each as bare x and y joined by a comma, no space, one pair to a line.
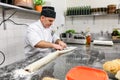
92,56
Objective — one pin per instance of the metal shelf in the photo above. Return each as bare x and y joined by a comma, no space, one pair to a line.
93,15
8,6
105,14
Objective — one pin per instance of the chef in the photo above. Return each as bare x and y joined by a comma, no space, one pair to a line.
40,37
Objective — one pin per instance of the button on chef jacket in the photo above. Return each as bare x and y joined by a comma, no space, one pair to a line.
35,33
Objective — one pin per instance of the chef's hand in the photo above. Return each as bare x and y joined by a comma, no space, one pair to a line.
57,47
62,44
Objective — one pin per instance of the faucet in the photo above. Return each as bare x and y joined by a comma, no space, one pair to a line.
101,33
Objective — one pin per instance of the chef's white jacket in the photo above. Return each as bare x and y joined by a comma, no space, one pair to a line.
35,33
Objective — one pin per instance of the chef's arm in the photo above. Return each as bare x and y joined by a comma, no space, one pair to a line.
61,43
45,44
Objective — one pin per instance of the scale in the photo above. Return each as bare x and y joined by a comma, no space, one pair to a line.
76,38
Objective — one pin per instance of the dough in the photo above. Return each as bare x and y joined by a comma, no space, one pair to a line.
68,49
38,64
118,75
49,78
112,66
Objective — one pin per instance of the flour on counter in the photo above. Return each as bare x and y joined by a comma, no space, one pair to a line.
21,73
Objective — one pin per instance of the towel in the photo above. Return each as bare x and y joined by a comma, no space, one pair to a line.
100,42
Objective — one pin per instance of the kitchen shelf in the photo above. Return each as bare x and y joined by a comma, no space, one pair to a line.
104,14
93,15
8,6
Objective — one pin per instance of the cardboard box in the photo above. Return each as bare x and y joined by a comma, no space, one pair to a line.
115,37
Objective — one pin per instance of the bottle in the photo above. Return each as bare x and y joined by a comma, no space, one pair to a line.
88,37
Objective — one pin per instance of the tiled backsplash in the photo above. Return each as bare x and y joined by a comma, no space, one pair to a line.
12,39
100,23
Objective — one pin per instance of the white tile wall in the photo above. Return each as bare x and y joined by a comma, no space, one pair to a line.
101,23
12,39
93,3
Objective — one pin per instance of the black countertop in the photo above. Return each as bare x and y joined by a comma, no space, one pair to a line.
92,56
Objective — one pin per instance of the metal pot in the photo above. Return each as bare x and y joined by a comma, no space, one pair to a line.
24,3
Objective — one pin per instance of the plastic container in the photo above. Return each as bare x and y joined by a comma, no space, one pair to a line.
86,73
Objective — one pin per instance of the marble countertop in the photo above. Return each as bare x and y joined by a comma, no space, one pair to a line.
92,56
